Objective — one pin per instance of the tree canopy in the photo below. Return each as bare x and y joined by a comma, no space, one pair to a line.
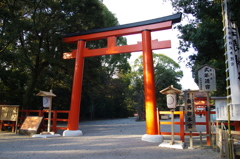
166,71
31,51
204,34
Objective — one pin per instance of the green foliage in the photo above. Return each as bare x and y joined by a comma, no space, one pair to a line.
233,7
31,51
166,71
31,60
204,34
103,96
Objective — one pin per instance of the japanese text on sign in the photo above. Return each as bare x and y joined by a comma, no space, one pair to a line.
207,79
233,49
190,123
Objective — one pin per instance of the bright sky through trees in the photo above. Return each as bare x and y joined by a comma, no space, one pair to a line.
130,11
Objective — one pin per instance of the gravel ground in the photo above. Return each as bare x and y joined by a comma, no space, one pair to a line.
102,139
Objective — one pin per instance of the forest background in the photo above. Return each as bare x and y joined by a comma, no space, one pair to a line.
31,51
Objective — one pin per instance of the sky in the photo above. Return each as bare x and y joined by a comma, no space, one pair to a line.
130,11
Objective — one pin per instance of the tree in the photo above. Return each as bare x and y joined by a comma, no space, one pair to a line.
233,6
31,47
167,72
105,85
203,34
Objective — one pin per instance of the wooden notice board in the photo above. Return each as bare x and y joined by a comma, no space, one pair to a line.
9,113
31,123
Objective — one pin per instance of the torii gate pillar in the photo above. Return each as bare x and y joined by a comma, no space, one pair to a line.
111,33
149,91
149,84
74,114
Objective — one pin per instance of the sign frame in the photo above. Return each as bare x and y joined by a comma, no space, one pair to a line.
207,78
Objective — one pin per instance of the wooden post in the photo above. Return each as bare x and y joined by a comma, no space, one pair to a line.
49,114
208,122
172,128
182,125
191,140
149,85
201,145
40,113
54,121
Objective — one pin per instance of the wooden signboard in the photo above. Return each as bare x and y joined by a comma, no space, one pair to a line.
207,78
9,113
190,121
31,125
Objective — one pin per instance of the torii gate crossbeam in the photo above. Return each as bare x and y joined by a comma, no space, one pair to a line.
111,33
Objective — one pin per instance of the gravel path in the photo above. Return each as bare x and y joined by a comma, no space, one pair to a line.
102,139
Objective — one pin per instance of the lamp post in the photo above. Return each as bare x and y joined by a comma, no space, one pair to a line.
47,102
171,94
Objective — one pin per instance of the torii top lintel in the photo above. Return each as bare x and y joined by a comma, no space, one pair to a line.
120,30
111,33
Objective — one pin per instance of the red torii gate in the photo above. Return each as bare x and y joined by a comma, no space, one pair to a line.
111,33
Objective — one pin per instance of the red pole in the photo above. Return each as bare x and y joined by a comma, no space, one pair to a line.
74,114
54,121
149,85
182,126
207,127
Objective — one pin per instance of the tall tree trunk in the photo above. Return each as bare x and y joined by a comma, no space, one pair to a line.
27,97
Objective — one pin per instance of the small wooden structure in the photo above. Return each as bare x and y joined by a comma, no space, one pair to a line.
171,103
9,113
47,102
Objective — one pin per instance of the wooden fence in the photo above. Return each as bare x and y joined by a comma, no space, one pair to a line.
57,116
227,144
181,124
